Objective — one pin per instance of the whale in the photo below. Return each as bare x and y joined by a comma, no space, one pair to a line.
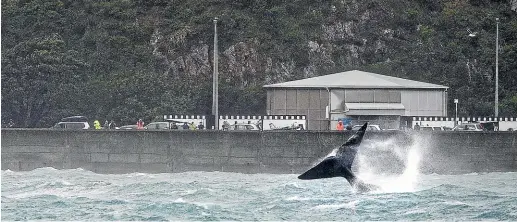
340,164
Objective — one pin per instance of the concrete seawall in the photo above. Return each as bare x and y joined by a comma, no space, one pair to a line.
250,152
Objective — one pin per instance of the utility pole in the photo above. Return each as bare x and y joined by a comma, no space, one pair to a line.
497,69
456,116
215,89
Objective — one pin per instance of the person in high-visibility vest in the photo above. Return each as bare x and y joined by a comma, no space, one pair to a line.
192,126
96,124
340,126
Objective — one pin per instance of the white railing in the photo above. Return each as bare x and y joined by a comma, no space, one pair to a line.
504,123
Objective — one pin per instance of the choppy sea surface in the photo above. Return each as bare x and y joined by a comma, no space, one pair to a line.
77,194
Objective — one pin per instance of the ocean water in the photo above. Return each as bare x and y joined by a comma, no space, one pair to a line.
77,194
405,194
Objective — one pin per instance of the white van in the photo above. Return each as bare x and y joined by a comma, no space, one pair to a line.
72,125
73,122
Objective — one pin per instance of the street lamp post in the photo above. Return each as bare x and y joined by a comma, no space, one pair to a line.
456,116
496,103
496,100
215,89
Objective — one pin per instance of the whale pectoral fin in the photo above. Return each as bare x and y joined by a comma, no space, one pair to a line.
325,169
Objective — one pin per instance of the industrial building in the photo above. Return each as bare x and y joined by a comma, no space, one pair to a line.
356,97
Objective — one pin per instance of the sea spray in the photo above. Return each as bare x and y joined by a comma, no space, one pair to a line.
389,164
377,161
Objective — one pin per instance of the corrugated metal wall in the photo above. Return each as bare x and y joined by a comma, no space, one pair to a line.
339,96
424,102
309,102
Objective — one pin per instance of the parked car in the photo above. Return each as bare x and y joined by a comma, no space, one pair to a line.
446,128
75,119
432,128
73,122
165,125
128,127
175,124
468,127
158,126
72,125
370,127
244,126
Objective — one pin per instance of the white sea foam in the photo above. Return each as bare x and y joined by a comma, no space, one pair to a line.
349,205
332,153
409,156
179,200
298,198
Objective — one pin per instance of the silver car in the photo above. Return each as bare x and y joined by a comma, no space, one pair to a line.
72,125
468,127
370,127
432,128
244,126
158,126
73,122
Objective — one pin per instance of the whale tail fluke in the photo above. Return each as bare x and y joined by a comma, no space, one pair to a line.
340,165
329,167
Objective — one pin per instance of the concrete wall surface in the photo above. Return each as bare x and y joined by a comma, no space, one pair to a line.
149,151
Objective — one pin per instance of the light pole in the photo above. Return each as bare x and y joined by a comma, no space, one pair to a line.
496,100
215,89
497,69
456,116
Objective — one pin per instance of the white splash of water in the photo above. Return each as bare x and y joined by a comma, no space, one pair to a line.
405,182
371,167
410,156
350,205
179,200
332,153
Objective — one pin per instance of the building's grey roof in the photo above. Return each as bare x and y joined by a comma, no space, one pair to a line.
356,79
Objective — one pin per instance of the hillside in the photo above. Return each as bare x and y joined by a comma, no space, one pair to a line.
130,59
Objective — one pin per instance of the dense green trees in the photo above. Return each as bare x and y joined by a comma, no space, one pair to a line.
130,59
41,75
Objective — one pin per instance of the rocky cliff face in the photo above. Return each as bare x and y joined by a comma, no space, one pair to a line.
347,34
420,40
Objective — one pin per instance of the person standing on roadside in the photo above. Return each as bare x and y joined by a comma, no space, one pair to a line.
96,124
112,125
192,126
340,125
10,124
226,126
140,124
